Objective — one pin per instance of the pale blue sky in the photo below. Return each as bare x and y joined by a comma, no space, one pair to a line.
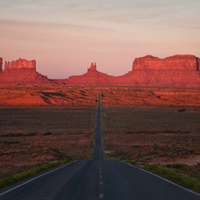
65,36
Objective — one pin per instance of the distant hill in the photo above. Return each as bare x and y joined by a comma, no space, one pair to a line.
22,72
174,71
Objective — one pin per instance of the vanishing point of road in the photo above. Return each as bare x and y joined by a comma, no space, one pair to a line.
96,179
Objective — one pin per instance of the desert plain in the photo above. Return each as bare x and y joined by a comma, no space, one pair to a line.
39,124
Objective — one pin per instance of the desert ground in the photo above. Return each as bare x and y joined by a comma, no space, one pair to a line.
65,96
153,134
167,137
33,136
145,125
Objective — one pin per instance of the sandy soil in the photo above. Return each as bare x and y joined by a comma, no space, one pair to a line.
41,124
151,134
30,136
64,96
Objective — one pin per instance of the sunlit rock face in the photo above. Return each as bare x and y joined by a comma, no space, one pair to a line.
174,63
93,68
92,77
174,71
22,72
20,64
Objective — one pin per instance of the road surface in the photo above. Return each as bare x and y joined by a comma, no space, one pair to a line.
97,179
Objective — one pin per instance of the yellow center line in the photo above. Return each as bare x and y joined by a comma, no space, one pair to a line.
100,176
101,196
101,183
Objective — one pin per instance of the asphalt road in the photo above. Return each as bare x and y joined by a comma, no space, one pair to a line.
97,179
98,150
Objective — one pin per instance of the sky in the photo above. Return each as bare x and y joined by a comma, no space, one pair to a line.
66,36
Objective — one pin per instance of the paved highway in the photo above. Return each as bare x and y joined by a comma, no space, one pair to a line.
97,179
98,150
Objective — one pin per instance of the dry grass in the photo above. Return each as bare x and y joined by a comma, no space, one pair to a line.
30,136
151,134
167,138
42,124
35,120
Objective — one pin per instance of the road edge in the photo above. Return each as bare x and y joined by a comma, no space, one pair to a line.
164,179
32,179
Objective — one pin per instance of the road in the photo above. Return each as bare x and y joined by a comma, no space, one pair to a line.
97,179
98,150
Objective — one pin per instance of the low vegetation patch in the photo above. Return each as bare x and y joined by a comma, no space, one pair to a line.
23,175
18,135
174,176
47,133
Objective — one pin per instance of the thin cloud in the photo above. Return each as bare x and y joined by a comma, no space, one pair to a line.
49,25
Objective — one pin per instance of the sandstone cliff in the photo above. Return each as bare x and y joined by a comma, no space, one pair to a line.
20,64
92,77
22,72
174,71
174,63
1,64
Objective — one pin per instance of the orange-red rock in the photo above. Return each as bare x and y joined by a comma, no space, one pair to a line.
1,64
22,72
20,64
174,63
92,68
175,71
23,64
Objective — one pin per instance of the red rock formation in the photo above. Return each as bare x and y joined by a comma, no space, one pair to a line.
92,77
7,67
22,72
20,64
23,64
175,71
92,68
1,64
177,63
198,63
